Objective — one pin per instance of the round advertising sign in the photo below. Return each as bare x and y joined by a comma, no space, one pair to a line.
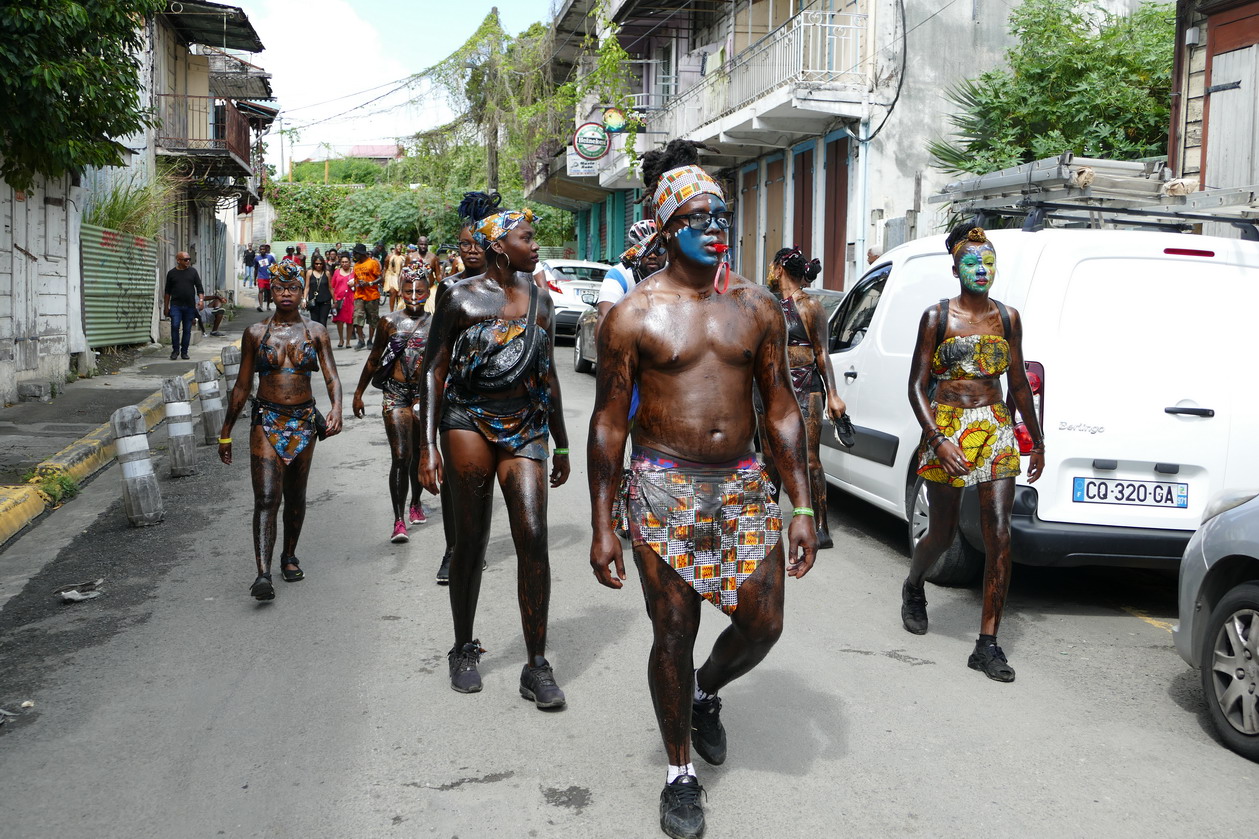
591,141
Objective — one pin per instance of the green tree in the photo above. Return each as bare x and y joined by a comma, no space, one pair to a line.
1079,79
69,83
342,170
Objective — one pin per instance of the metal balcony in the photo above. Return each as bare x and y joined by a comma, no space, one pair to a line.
209,129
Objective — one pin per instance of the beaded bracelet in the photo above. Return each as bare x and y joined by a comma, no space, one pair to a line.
561,451
225,441
802,511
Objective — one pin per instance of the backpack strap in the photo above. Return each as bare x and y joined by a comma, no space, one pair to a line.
943,324
1005,318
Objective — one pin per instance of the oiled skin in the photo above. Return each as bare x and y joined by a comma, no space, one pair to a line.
971,313
469,463
695,355
273,480
814,319
401,428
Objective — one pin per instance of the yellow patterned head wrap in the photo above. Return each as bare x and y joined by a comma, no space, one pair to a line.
492,228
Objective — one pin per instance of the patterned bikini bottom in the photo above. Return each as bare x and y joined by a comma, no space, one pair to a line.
288,428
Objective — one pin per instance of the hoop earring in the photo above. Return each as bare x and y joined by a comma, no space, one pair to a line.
496,258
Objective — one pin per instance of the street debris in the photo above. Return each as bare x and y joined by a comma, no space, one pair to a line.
80,591
27,704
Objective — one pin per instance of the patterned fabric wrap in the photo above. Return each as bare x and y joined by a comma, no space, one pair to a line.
286,272
713,525
492,228
524,429
395,395
971,357
288,428
986,438
673,190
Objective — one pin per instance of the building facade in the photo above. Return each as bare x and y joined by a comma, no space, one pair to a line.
818,114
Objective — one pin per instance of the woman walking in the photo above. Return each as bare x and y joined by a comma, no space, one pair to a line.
812,377
394,264
964,346
284,350
395,365
318,290
491,343
343,300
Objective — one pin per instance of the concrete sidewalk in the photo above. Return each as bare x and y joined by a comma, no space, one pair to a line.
70,437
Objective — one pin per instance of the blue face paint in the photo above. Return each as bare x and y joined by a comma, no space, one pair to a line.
693,243
977,268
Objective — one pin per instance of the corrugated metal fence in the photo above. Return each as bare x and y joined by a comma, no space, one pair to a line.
119,279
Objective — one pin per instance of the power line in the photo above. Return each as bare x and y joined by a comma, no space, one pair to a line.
346,96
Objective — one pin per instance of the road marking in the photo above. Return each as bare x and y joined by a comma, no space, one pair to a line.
1154,622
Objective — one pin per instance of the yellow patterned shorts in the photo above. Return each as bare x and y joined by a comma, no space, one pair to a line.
986,437
714,526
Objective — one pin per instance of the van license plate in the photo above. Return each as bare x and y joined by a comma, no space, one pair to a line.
1137,493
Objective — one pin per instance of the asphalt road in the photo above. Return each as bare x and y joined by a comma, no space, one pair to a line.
176,706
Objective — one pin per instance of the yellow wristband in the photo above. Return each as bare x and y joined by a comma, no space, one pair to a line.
225,441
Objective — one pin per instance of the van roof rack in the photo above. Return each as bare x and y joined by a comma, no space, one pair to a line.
1092,192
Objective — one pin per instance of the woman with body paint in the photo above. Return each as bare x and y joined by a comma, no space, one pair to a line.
284,350
812,376
964,347
400,340
491,347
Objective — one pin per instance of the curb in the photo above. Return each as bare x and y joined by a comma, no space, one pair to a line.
20,505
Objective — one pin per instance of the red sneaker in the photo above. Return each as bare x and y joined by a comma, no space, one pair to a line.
399,533
417,514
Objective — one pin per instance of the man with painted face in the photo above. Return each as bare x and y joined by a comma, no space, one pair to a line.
965,345
429,259
697,504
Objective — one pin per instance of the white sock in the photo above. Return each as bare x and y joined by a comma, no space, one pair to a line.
678,771
701,696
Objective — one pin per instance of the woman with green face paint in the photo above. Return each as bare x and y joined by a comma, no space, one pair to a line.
964,347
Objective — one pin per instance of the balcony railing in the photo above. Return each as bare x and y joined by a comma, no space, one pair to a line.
201,124
812,49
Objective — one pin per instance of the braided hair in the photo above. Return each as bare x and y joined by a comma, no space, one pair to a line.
478,205
658,161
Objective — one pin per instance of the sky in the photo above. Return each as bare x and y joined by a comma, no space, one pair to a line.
349,51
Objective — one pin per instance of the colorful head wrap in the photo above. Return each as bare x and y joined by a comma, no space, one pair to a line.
494,227
976,236
672,191
287,272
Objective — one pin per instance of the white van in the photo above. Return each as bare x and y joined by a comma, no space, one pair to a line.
1137,346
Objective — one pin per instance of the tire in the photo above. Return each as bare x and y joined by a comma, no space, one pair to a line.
960,565
1231,687
580,364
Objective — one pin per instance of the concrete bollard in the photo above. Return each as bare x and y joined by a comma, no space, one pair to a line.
182,443
212,409
142,499
231,366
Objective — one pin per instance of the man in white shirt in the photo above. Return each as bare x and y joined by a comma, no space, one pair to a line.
626,275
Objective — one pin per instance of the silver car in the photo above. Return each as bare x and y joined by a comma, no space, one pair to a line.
1219,617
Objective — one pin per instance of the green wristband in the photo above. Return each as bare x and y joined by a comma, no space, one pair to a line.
802,511
561,451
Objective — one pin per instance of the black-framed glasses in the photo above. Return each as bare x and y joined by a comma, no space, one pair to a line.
468,247
703,221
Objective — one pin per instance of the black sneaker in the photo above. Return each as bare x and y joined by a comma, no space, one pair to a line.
538,684
184,356
174,356
443,571
681,815
708,735
463,673
990,660
914,608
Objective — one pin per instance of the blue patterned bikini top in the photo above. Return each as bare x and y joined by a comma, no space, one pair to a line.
270,358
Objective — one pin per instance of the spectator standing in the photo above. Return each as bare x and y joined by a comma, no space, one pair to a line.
366,295
250,254
343,300
319,291
181,301
263,263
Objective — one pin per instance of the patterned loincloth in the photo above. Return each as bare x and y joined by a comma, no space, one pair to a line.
713,523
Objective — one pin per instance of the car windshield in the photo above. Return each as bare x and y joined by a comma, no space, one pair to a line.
579,272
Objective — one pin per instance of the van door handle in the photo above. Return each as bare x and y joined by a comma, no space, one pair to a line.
850,375
1193,412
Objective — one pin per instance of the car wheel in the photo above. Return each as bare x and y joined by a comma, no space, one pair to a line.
580,364
961,564
1230,669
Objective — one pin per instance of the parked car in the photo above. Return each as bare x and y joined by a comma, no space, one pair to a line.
585,351
1218,631
1127,337
575,274
570,305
